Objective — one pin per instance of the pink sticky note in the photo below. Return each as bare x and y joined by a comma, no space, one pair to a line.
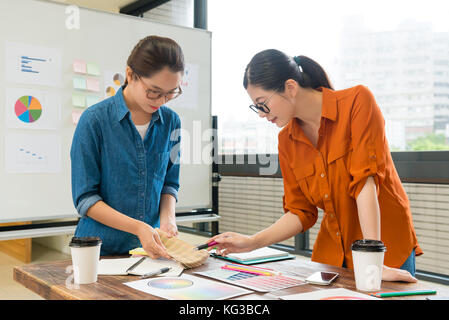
79,66
76,114
93,84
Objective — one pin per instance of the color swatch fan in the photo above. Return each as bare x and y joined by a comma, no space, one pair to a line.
28,109
182,251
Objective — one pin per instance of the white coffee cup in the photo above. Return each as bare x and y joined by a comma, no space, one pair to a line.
85,258
368,259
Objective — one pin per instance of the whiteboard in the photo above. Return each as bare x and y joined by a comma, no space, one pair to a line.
35,174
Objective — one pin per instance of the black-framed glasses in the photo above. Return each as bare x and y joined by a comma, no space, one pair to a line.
156,95
262,106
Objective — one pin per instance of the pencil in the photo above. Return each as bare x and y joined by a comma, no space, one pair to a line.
402,293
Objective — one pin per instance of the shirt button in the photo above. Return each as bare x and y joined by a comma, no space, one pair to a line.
331,215
322,175
326,196
338,234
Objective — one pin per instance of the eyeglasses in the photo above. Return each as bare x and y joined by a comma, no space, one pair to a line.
156,95
262,106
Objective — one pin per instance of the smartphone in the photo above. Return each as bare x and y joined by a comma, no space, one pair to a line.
322,278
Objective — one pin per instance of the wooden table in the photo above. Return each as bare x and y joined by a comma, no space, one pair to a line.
49,281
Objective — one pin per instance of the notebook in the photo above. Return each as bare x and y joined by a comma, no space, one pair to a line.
260,253
119,266
256,256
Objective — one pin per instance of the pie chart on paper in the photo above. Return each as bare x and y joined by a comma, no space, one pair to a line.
28,109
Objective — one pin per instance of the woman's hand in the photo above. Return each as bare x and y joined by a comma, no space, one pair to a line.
169,227
229,242
151,242
393,274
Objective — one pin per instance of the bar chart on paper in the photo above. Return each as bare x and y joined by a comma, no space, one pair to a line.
28,109
29,64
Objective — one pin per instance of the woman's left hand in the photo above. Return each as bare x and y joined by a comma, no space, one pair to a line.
393,274
169,227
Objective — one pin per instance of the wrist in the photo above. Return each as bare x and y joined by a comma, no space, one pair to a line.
140,228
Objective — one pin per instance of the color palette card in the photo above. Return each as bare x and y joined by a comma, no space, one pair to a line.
187,287
251,281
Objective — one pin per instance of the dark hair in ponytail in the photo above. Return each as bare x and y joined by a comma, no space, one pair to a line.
152,54
269,69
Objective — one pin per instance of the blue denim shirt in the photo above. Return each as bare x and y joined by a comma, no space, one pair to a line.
110,162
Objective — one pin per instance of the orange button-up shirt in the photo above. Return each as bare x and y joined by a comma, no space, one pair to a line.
351,147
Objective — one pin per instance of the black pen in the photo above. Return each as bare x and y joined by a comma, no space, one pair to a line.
155,273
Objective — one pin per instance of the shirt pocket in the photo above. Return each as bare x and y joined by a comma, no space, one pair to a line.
160,163
338,154
305,176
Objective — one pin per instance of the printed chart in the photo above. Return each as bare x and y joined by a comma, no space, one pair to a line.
33,109
28,109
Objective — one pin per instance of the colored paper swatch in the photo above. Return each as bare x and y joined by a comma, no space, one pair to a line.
79,83
79,66
93,84
93,69
28,109
78,100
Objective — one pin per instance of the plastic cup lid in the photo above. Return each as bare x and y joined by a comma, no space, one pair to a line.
367,245
79,242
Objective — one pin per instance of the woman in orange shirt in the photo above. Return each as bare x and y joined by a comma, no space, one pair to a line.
333,155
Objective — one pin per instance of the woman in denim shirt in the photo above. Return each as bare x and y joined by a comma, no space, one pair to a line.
125,155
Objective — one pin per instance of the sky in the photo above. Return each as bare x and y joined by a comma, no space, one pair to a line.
242,28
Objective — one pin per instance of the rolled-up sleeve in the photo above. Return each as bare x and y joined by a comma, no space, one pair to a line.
294,199
171,182
85,163
368,141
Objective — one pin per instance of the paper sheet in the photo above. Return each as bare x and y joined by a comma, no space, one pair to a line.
93,84
79,100
119,266
76,115
330,294
79,83
187,287
32,153
79,66
31,64
33,109
90,101
190,89
93,69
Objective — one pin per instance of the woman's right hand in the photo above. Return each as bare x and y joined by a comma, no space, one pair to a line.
230,242
151,242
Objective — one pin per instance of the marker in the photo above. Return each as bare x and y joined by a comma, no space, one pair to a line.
206,245
155,273
402,293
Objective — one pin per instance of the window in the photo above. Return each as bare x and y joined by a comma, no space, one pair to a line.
401,57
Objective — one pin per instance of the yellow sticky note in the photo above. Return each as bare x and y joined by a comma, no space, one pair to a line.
93,69
78,100
79,83
138,251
